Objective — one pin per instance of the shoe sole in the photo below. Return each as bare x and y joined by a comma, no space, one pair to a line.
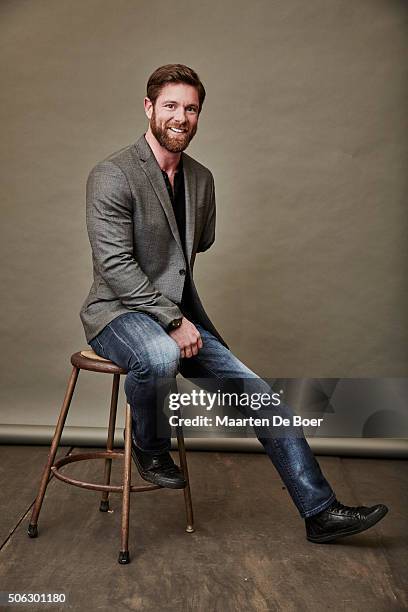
347,532
145,477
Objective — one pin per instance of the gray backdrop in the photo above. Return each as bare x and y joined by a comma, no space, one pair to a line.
305,130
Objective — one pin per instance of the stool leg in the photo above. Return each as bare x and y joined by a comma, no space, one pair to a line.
127,468
32,528
184,469
104,506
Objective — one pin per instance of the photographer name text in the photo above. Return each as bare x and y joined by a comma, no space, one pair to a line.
226,421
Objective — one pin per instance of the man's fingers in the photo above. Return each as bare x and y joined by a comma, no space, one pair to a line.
195,348
191,350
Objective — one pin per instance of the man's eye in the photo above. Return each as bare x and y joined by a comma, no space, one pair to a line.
169,105
192,109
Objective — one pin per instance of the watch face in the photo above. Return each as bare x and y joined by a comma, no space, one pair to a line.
175,324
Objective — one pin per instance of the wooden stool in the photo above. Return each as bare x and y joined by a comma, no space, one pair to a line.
89,360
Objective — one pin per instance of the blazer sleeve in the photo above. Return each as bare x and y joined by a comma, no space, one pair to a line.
109,218
208,234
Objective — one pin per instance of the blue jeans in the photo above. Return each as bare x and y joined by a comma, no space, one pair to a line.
136,342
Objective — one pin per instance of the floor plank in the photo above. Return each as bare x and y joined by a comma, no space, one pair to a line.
248,551
376,481
20,474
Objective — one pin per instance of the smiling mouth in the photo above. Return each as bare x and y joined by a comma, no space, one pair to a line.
177,130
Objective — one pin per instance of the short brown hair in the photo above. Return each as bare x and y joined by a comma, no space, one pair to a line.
173,73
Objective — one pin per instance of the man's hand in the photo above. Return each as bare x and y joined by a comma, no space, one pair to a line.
188,338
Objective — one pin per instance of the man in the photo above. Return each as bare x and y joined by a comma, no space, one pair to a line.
150,209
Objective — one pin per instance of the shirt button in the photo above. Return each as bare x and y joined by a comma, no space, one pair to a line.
182,272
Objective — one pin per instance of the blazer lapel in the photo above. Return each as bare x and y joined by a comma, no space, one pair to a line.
190,186
154,174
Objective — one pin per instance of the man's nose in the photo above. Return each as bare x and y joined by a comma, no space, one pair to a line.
180,114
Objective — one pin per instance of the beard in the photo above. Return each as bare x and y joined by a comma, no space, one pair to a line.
171,141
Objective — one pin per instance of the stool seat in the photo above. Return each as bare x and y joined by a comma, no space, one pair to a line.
90,353
89,360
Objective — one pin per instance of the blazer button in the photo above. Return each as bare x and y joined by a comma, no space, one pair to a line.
182,272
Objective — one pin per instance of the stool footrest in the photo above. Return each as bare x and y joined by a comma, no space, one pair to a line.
95,486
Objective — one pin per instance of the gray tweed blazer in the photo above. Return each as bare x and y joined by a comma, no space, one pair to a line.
138,259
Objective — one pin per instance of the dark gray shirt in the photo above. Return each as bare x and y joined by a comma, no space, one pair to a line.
178,200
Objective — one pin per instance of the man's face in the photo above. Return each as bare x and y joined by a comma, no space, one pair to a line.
174,116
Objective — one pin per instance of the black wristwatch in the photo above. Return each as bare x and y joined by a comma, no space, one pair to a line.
174,324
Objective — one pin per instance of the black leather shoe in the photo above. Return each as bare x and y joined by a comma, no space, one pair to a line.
159,469
338,521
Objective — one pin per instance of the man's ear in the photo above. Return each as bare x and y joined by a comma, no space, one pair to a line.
148,107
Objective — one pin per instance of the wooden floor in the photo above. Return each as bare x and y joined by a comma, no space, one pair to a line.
248,553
